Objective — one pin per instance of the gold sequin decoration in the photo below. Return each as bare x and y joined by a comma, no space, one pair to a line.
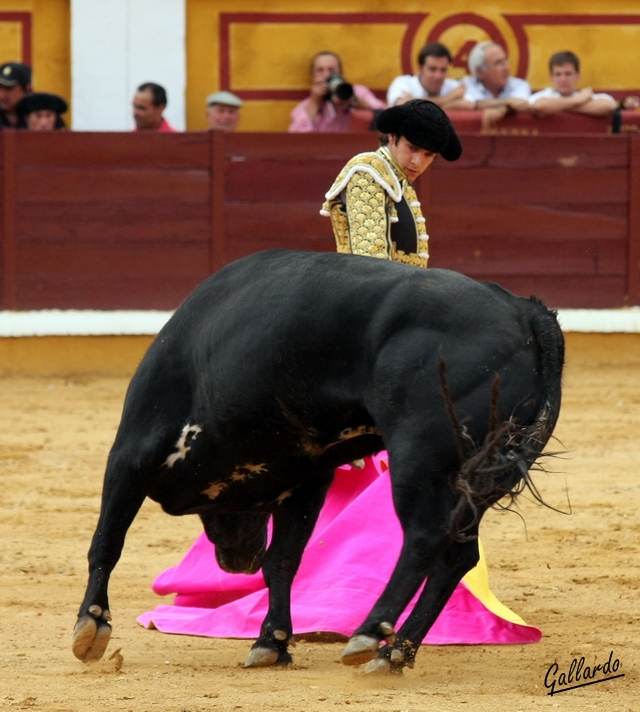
362,227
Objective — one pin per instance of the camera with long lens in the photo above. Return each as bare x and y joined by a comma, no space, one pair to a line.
340,89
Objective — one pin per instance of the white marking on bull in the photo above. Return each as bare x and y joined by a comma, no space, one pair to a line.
283,496
261,467
248,470
215,489
183,444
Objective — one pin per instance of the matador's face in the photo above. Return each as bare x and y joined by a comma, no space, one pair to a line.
413,160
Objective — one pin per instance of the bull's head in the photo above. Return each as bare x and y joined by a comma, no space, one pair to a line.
240,540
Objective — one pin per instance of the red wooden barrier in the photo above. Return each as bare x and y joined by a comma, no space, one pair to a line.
524,124
136,221
529,125
545,215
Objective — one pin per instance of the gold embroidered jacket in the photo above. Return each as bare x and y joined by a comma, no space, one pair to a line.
362,206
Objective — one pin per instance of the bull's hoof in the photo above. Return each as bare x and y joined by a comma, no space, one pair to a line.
360,649
261,657
90,638
378,666
387,631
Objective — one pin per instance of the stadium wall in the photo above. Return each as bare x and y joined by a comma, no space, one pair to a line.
261,51
113,221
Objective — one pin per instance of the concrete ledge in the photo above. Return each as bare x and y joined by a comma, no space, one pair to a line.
55,322
600,321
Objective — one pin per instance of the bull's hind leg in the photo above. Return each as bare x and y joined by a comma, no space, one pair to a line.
423,499
455,562
122,497
293,523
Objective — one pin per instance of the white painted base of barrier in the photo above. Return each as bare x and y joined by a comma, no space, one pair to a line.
82,322
603,321
55,322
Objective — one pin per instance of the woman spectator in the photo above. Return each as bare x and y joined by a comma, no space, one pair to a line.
42,111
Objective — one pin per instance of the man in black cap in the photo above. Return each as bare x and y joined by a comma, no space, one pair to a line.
41,111
15,83
373,207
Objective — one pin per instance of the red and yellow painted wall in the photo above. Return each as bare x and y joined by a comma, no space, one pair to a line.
261,49
37,32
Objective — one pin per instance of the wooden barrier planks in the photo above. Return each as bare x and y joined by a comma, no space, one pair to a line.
547,212
540,222
530,125
136,221
110,220
120,151
633,257
8,221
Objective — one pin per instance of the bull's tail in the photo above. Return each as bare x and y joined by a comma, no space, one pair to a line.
500,465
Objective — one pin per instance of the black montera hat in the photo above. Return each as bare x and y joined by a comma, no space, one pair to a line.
424,124
40,101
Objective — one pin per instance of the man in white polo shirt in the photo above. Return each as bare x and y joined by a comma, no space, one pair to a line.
431,82
490,88
563,95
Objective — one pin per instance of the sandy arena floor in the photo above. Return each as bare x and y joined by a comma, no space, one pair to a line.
576,576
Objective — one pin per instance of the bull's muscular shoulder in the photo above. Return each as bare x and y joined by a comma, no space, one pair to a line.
374,165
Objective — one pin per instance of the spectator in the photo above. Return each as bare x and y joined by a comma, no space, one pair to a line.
42,112
328,105
431,81
563,95
15,83
149,101
630,103
490,88
223,111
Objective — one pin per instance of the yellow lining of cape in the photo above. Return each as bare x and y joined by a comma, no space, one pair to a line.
477,581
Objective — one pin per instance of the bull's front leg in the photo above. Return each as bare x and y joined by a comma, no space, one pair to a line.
293,524
122,497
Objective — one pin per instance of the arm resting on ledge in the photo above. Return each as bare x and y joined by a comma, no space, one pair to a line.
582,103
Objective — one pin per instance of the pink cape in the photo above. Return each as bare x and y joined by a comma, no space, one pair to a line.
346,564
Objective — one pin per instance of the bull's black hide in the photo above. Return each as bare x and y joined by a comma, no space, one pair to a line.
284,365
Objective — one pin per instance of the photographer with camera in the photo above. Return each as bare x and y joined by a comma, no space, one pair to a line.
331,98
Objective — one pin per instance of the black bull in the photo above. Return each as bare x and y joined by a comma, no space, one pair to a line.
285,365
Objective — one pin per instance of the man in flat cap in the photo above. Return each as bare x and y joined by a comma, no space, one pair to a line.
223,111
42,111
15,83
373,207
